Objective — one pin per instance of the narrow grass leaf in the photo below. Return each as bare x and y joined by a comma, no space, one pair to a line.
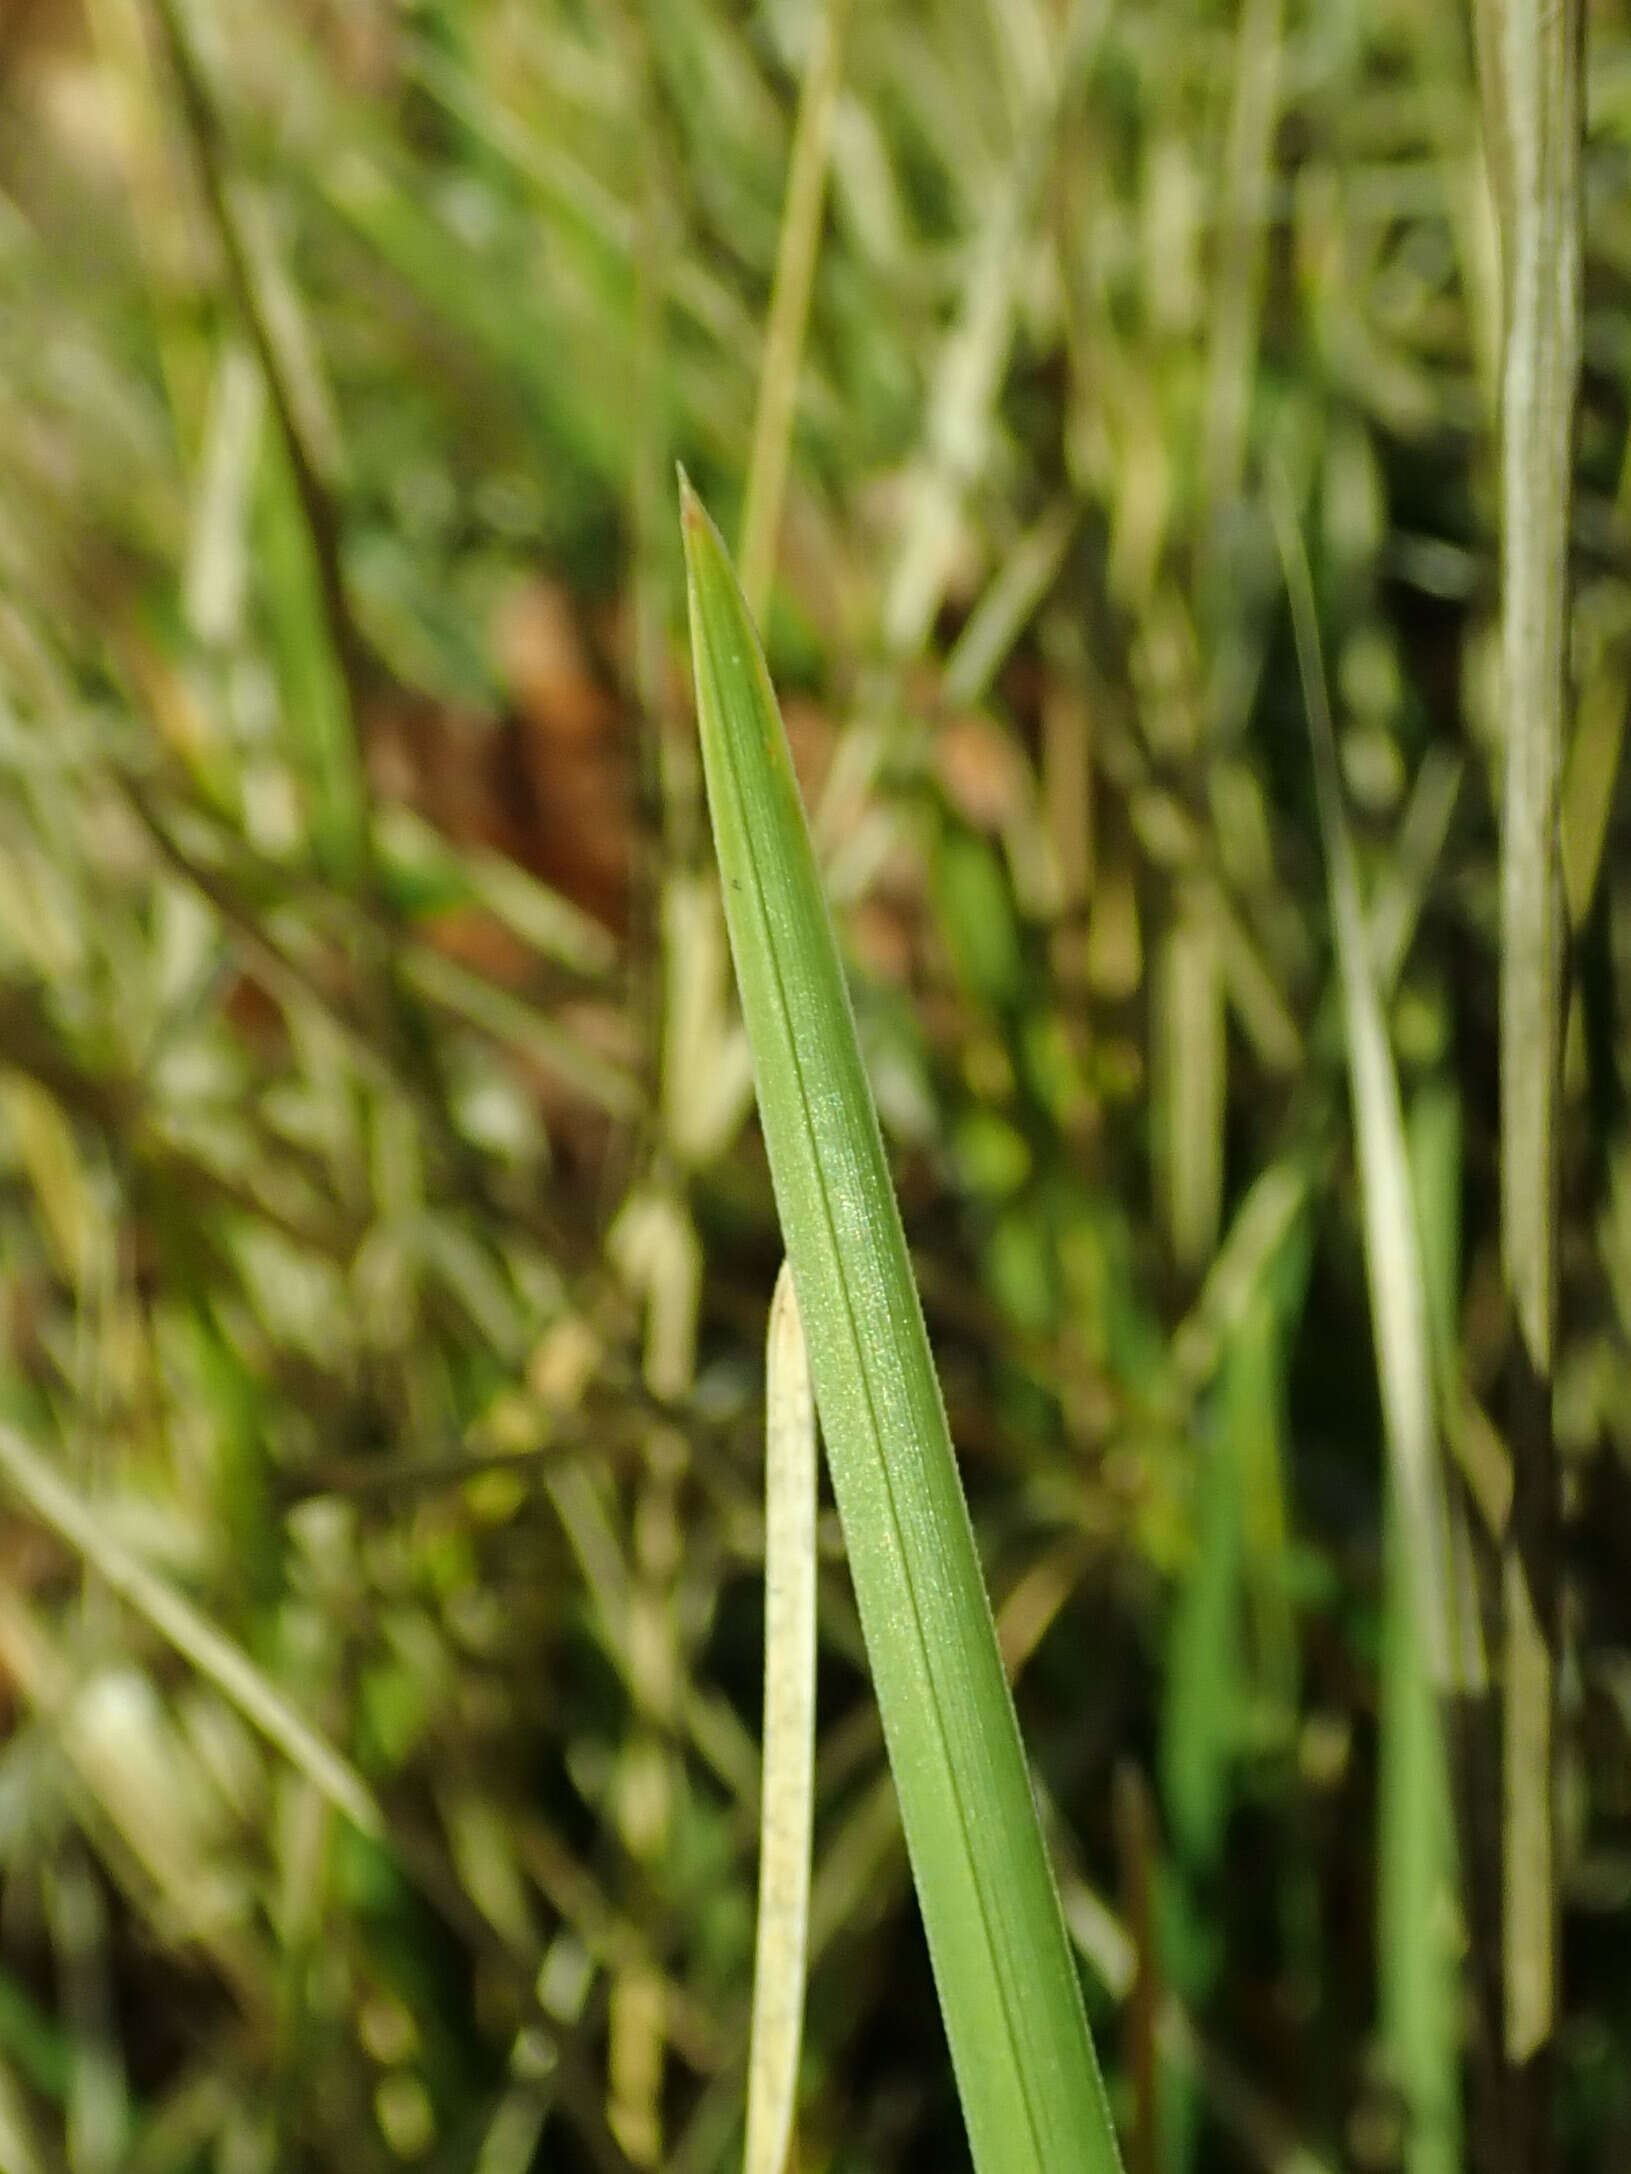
1005,610
790,302
1450,1633
788,1786
1267,1220
1008,1989
1417,1918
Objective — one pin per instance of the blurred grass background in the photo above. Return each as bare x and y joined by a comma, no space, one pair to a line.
385,1236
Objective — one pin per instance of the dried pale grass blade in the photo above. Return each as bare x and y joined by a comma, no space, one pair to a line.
194,1637
967,375
789,1739
1532,76
218,556
790,302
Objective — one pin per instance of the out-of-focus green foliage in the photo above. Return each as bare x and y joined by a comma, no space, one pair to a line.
385,1245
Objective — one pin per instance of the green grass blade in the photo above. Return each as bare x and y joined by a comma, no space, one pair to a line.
1417,1913
1008,1989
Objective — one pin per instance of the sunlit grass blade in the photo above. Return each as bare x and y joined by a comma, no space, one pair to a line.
788,1783
1008,1989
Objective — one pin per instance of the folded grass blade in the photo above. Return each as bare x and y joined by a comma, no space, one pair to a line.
1008,1989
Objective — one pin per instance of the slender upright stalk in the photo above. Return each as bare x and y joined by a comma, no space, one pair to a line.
790,303
1531,74
787,1790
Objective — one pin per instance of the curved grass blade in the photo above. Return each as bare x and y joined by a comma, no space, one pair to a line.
1008,1990
788,1786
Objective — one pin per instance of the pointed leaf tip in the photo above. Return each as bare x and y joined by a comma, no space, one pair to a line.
1010,1996
692,511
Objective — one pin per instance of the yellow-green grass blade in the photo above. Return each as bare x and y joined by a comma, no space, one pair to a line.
1008,1989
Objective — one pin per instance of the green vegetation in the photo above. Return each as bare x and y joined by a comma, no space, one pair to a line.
1192,569
1030,2089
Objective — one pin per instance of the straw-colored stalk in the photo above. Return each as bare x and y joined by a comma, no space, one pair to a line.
1530,67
